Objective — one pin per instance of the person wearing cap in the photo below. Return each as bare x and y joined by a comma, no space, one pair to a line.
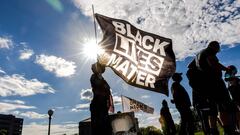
234,89
183,104
213,89
166,120
101,103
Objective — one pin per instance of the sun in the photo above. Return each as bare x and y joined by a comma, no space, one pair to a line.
91,50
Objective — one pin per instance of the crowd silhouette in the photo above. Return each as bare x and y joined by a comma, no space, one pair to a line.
213,100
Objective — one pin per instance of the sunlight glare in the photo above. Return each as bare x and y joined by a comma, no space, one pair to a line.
91,50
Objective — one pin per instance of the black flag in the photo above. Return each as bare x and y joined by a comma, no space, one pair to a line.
140,58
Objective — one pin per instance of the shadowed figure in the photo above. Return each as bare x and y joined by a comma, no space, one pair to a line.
183,104
200,101
234,89
211,87
166,119
101,103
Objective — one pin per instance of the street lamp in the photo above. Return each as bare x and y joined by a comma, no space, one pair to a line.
50,113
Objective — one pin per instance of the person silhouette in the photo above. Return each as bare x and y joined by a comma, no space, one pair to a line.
234,89
166,120
101,103
200,102
213,88
183,104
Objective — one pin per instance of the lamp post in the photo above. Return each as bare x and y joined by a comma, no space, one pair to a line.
50,113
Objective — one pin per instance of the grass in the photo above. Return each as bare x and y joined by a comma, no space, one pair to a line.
201,133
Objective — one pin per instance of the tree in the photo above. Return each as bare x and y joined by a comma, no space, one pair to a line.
150,130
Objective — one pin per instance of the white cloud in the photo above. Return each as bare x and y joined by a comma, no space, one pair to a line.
86,94
146,119
190,24
7,107
117,100
175,115
59,66
61,107
69,122
18,85
5,43
145,96
30,115
1,71
81,107
14,101
25,54
24,44
39,129
12,107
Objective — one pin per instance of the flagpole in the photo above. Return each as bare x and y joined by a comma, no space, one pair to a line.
122,103
95,30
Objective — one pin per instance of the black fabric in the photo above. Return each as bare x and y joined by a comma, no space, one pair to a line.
180,96
235,91
100,123
206,80
100,88
198,82
214,131
203,113
99,106
170,127
202,63
186,127
183,103
140,58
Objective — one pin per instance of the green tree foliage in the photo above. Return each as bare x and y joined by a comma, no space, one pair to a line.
3,132
150,130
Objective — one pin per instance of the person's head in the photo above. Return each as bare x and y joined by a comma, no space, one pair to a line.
233,70
214,46
230,73
177,77
164,103
97,68
119,112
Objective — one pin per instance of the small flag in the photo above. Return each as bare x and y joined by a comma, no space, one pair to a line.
135,106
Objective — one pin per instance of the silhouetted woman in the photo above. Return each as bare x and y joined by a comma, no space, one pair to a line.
183,104
166,119
101,103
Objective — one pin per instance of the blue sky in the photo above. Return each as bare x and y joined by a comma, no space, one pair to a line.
42,67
